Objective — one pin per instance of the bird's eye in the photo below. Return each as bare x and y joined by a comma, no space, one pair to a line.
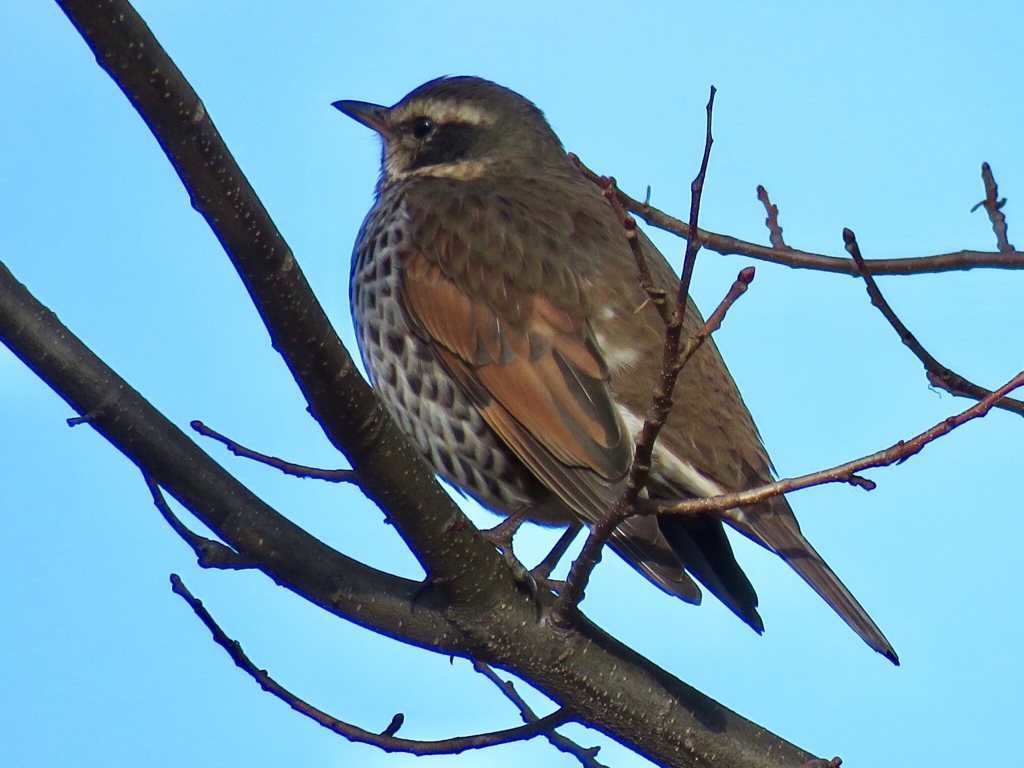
421,127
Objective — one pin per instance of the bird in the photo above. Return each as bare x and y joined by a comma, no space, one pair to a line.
500,319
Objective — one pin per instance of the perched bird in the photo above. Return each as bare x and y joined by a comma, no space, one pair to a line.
499,314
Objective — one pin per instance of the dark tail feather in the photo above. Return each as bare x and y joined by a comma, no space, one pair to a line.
639,542
783,537
702,545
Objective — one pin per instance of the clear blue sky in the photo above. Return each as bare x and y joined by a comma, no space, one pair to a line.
875,116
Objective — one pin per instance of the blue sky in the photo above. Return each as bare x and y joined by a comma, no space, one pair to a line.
875,117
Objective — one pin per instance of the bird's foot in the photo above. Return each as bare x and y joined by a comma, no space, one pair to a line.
542,581
500,537
538,577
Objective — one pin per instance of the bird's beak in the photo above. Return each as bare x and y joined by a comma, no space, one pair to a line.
371,115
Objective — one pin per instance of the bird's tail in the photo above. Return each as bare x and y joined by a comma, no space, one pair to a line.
781,534
701,544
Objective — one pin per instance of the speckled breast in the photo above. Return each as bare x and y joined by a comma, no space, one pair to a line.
424,400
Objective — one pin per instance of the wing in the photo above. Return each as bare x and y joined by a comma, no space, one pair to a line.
715,434
541,385
539,382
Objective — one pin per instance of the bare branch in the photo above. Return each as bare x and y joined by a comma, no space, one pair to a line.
791,257
586,755
170,459
295,470
693,244
843,473
994,207
544,568
396,722
661,405
608,686
590,555
938,374
772,222
384,740
210,553
609,188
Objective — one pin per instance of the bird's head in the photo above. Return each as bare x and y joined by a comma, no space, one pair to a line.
458,127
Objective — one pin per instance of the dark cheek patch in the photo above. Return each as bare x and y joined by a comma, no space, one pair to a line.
450,143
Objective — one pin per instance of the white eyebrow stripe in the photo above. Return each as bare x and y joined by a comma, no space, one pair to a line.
444,112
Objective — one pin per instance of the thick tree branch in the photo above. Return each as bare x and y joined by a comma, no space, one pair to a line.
606,684
170,459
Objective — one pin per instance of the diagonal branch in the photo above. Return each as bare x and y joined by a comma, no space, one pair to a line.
341,402
590,555
842,473
938,374
657,296
209,553
287,467
170,459
586,755
385,740
661,405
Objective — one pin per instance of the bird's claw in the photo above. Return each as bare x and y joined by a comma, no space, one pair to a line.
500,537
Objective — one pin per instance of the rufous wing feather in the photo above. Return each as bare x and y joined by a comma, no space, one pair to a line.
540,383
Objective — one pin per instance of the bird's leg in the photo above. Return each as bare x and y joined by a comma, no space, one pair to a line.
501,537
501,534
543,569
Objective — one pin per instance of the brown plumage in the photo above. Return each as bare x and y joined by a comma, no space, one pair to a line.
498,312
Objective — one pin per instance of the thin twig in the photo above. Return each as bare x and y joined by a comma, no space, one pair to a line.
994,207
590,555
791,257
396,722
693,244
586,755
772,222
843,473
289,468
715,319
661,401
209,553
384,740
658,296
938,374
